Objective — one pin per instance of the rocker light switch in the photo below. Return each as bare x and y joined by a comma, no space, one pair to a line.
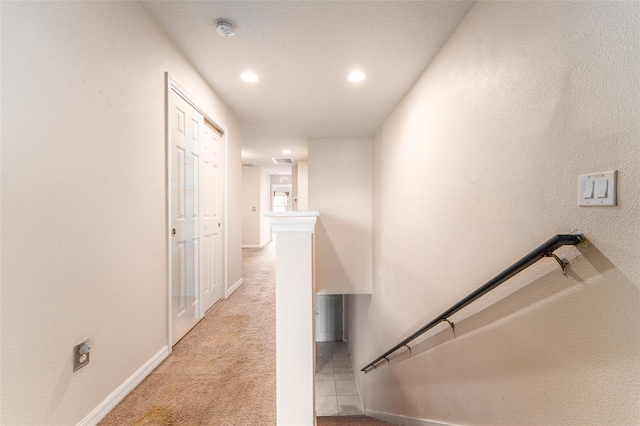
597,189
588,189
601,188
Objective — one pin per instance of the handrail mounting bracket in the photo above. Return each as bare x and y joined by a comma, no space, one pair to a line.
451,324
564,262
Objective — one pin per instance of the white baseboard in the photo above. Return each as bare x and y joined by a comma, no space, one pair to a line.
233,288
256,245
402,420
124,389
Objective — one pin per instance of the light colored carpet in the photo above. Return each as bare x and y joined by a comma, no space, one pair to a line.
223,371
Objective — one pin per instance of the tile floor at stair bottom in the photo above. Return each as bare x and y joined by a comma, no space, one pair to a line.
336,390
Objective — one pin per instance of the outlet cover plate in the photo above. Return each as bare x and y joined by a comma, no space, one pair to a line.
79,360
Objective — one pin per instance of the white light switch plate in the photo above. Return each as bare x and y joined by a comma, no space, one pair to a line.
597,189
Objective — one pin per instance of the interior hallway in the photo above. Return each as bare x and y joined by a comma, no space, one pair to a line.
223,371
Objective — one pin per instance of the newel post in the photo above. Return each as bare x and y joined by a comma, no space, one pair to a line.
295,316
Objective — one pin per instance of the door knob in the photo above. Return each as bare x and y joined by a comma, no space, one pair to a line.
218,224
173,231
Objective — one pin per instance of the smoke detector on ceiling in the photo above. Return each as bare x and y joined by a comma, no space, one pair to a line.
225,28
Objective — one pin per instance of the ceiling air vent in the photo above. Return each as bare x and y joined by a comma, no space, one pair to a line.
283,160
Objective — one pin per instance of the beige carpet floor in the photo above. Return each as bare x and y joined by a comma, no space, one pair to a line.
223,371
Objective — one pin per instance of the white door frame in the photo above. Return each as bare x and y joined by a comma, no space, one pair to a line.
172,84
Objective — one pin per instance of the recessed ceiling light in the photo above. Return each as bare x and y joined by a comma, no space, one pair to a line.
286,151
225,28
249,77
356,76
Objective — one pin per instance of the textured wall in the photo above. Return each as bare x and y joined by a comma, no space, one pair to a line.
477,166
303,185
84,200
256,193
340,188
250,200
265,206
294,188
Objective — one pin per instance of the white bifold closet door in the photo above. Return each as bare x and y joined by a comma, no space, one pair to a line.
195,234
212,217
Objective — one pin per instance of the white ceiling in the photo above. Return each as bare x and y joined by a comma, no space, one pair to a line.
303,52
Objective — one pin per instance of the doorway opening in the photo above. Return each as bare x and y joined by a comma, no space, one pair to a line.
335,384
281,198
330,318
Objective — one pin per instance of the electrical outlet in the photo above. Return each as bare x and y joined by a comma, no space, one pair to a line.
81,355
